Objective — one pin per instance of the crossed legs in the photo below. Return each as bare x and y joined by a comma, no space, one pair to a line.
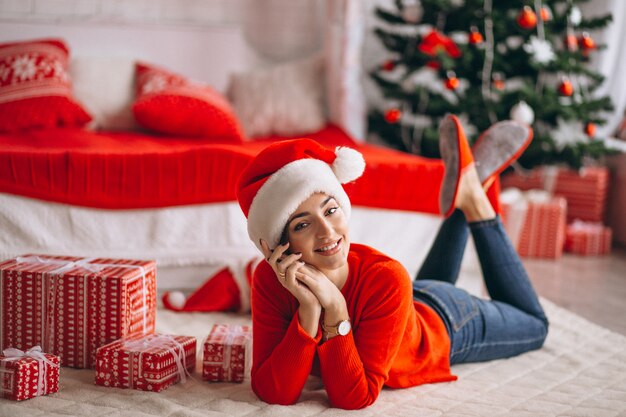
512,321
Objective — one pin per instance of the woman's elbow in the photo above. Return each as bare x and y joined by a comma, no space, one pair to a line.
272,396
350,404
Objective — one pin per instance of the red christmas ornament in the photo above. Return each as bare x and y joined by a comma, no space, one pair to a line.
566,88
392,116
545,13
475,37
590,129
527,19
571,43
389,65
451,83
498,82
586,42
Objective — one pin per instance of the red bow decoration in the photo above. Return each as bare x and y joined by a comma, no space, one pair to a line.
436,42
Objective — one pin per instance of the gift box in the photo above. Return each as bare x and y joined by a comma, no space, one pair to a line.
148,363
29,374
585,190
587,238
226,355
535,222
616,204
70,306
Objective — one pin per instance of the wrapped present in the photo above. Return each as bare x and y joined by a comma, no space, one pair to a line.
585,190
587,238
227,352
70,306
148,363
535,222
29,374
616,205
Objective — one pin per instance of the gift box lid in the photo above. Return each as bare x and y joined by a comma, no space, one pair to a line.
123,269
228,334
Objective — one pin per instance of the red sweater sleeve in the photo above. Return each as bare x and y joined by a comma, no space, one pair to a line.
354,368
282,351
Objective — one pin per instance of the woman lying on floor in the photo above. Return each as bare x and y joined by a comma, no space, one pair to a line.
349,313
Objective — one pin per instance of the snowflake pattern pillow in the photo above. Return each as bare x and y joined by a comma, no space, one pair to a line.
35,88
285,100
171,104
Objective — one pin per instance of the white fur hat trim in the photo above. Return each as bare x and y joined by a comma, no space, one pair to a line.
284,191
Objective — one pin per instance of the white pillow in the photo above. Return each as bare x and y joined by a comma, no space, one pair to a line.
285,100
106,87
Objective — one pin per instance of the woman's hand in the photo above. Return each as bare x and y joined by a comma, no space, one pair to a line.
286,267
329,295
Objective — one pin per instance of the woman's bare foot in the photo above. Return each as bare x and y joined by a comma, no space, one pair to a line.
471,198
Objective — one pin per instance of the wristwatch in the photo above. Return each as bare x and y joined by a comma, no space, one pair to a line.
340,329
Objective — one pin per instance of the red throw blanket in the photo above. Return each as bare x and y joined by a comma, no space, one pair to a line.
133,170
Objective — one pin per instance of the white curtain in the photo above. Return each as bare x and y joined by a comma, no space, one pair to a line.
610,62
345,28
282,30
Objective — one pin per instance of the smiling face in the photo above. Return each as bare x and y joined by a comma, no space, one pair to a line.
319,230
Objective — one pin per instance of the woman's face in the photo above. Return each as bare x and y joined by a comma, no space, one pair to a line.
319,230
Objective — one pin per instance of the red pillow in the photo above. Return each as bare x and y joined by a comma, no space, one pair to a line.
169,103
35,88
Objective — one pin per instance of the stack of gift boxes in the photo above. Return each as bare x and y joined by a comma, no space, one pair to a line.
550,210
98,313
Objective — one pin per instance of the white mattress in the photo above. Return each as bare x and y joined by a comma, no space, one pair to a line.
581,371
188,242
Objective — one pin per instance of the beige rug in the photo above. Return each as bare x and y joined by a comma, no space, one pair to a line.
581,371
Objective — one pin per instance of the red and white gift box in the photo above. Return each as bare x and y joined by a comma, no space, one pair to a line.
587,238
149,363
29,374
585,190
70,306
535,222
227,352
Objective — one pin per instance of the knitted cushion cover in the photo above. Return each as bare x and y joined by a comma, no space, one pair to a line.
35,88
170,104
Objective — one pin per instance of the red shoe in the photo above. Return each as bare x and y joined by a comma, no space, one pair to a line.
498,147
456,156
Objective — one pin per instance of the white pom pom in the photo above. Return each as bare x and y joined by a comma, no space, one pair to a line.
348,165
522,113
176,299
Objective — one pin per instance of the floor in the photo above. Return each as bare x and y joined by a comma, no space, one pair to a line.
592,287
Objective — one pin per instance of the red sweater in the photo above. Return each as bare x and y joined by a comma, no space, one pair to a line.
394,341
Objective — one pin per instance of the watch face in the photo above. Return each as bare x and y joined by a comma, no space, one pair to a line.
344,328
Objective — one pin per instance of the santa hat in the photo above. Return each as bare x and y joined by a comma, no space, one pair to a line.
285,174
226,290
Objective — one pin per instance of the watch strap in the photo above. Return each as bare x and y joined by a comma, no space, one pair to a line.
333,330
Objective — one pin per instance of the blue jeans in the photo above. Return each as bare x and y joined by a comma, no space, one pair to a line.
512,322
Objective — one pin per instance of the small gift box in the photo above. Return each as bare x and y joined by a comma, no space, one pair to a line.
535,222
148,363
70,306
587,238
227,351
25,375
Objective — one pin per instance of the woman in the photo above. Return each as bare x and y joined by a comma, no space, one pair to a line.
347,312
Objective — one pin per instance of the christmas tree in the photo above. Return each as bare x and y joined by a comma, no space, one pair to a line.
490,60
